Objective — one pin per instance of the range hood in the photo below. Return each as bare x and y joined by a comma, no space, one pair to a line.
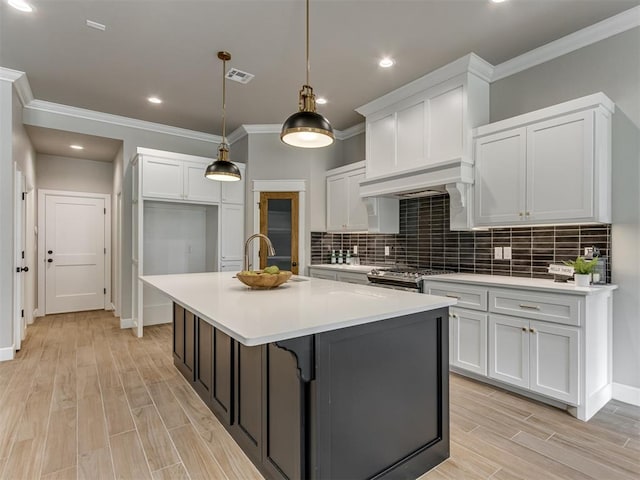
453,177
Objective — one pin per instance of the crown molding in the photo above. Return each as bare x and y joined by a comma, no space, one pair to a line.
238,134
357,129
20,82
587,36
75,112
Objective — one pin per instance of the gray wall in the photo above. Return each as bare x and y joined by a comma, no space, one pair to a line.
611,66
353,149
74,174
14,146
118,165
270,159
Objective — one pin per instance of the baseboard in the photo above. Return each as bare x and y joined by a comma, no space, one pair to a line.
127,323
36,313
155,321
110,307
7,353
626,394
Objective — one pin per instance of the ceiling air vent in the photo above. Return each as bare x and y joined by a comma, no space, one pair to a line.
239,76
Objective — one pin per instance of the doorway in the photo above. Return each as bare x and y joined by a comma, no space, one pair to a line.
20,322
74,251
279,214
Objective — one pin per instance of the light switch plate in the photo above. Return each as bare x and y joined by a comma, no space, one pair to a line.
506,253
497,253
355,249
387,250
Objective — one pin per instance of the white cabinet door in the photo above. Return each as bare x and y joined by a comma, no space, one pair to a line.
357,210
162,178
509,350
469,340
233,192
500,178
197,187
446,133
560,165
337,203
410,137
231,232
381,146
555,361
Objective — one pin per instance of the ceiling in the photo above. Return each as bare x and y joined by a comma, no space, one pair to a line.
168,48
57,142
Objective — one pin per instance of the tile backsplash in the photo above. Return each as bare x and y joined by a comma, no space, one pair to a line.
425,241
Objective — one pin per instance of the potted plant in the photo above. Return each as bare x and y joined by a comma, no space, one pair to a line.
582,270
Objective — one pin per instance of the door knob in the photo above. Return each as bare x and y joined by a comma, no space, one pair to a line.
294,264
50,252
25,269
49,260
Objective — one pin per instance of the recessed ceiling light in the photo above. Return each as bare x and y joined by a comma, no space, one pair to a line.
77,147
498,1
386,62
154,100
321,100
21,5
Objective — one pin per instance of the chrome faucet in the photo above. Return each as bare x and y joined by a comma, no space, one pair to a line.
270,250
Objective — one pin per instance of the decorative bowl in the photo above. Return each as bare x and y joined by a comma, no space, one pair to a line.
263,281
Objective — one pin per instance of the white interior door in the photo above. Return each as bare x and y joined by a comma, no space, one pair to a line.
20,326
74,253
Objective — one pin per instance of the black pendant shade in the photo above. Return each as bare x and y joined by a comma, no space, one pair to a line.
223,171
307,130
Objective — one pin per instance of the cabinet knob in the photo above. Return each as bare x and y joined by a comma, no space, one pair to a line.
520,214
532,330
527,213
524,329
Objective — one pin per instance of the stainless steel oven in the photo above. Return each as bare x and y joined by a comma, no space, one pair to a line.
401,278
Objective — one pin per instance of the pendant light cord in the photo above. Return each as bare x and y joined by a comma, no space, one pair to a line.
224,101
308,65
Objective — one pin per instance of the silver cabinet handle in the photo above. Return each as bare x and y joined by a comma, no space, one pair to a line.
531,307
452,296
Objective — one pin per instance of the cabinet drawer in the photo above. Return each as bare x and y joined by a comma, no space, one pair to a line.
322,273
548,307
349,277
468,296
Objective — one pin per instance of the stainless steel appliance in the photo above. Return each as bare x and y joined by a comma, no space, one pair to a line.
402,278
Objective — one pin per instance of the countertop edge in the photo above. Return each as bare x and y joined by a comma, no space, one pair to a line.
497,282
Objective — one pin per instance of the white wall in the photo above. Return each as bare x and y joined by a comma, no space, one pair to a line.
74,174
613,67
118,165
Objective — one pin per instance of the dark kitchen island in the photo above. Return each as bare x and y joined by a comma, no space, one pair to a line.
318,379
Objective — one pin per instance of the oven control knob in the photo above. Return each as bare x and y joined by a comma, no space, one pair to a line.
375,272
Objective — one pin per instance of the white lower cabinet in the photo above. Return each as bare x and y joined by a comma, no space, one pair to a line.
235,266
551,344
322,273
232,234
468,335
539,356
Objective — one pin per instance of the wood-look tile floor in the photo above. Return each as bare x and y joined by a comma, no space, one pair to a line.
86,400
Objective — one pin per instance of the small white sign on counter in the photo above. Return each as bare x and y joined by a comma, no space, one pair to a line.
565,270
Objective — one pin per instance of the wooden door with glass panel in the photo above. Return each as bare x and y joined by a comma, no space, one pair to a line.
279,222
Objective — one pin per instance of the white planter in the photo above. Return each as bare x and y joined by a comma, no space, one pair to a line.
582,279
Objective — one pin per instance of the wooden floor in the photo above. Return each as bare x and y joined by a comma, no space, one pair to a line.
85,399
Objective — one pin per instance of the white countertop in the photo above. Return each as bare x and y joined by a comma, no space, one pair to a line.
539,284
302,306
345,268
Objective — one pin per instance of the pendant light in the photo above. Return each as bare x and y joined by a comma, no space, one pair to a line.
223,169
307,128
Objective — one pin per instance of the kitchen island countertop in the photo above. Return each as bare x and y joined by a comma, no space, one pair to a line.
302,306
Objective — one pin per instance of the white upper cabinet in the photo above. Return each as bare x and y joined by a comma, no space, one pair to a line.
197,187
232,232
173,176
233,192
548,166
420,135
346,210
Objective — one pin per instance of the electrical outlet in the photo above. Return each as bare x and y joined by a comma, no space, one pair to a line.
497,253
387,250
355,249
506,252
588,252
